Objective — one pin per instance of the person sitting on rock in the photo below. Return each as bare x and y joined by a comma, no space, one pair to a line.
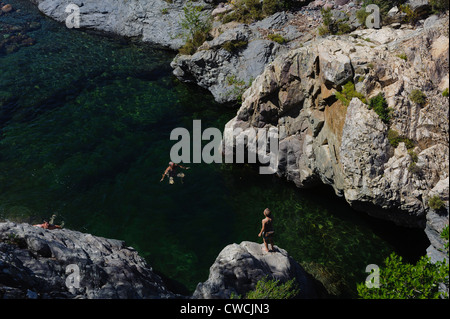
47,225
267,230
171,172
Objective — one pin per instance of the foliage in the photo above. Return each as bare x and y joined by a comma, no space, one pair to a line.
272,289
332,26
234,46
245,11
270,7
445,93
196,28
192,45
380,106
436,203
384,5
238,87
399,280
394,139
277,38
413,168
348,93
439,5
411,16
418,97
403,56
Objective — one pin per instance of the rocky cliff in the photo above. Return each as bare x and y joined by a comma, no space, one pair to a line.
389,165
40,263
156,22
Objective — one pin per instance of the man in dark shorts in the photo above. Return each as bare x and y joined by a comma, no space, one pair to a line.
171,172
267,230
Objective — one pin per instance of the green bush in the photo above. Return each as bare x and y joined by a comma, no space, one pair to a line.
403,56
394,139
380,106
418,97
445,93
436,203
439,5
348,93
195,28
245,11
272,289
411,16
234,46
270,7
277,38
399,280
191,45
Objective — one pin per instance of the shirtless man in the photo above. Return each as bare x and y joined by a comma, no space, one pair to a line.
267,230
47,225
171,172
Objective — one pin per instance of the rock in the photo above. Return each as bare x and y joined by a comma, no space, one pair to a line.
34,263
238,268
228,74
347,147
7,8
133,18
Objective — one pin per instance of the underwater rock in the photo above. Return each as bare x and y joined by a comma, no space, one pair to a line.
7,8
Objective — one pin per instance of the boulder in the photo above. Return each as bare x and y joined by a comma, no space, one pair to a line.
238,268
40,263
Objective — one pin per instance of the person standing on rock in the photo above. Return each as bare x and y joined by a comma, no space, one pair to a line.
267,230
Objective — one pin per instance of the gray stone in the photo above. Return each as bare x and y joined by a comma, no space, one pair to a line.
33,264
238,268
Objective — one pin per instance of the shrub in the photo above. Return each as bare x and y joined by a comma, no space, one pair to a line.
269,7
233,46
445,93
380,106
277,38
348,93
439,5
196,28
191,45
245,11
394,139
399,280
272,289
418,97
436,203
413,168
411,16
403,56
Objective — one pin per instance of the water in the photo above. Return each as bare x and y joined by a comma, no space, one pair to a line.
85,121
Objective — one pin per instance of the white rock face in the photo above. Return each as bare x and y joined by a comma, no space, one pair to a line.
348,147
154,21
238,268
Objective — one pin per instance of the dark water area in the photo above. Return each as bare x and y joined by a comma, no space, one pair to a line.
85,123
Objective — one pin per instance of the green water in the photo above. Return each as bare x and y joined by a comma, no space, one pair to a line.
85,122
